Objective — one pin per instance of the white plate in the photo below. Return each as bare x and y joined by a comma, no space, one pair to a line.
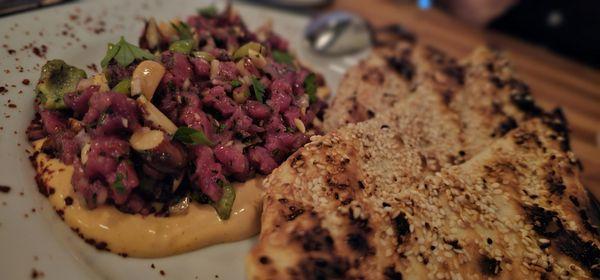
37,239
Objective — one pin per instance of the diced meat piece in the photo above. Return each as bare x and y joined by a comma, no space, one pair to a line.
233,160
281,95
208,173
79,101
262,160
201,67
218,99
257,110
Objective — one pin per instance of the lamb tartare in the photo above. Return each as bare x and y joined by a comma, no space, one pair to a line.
199,105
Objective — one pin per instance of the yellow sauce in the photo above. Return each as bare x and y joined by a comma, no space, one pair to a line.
151,236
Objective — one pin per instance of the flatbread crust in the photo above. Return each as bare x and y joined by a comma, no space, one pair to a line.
333,210
393,72
347,207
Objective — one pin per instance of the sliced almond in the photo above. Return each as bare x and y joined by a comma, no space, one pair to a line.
322,93
84,152
241,66
146,139
155,116
75,125
300,125
152,35
166,29
257,59
176,182
214,68
146,77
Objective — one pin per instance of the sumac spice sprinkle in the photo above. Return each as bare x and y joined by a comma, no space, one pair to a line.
4,189
25,82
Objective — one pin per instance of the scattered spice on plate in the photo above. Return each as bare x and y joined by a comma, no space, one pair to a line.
35,274
4,189
40,51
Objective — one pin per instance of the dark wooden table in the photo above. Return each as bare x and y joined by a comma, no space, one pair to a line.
554,80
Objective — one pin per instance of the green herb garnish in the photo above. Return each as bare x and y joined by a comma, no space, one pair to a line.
124,53
204,55
183,30
283,57
310,86
224,205
57,79
208,11
124,86
118,184
182,46
221,128
258,88
192,136
246,48
235,83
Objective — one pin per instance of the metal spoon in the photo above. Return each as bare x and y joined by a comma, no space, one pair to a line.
338,33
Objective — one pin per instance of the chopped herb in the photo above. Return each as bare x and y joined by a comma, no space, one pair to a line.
57,79
204,55
224,205
235,83
124,86
221,128
246,48
283,57
258,88
124,53
182,46
183,30
192,136
310,86
118,184
208,11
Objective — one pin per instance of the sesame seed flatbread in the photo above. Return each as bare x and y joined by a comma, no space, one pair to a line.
364,201
387,76
341,209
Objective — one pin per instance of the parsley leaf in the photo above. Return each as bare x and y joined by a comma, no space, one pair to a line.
118,184
124,53
235,83
192,136
183,30
310,86
258,88
208,11
110,54
283,57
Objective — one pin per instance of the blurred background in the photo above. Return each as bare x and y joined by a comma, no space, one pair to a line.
568,27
